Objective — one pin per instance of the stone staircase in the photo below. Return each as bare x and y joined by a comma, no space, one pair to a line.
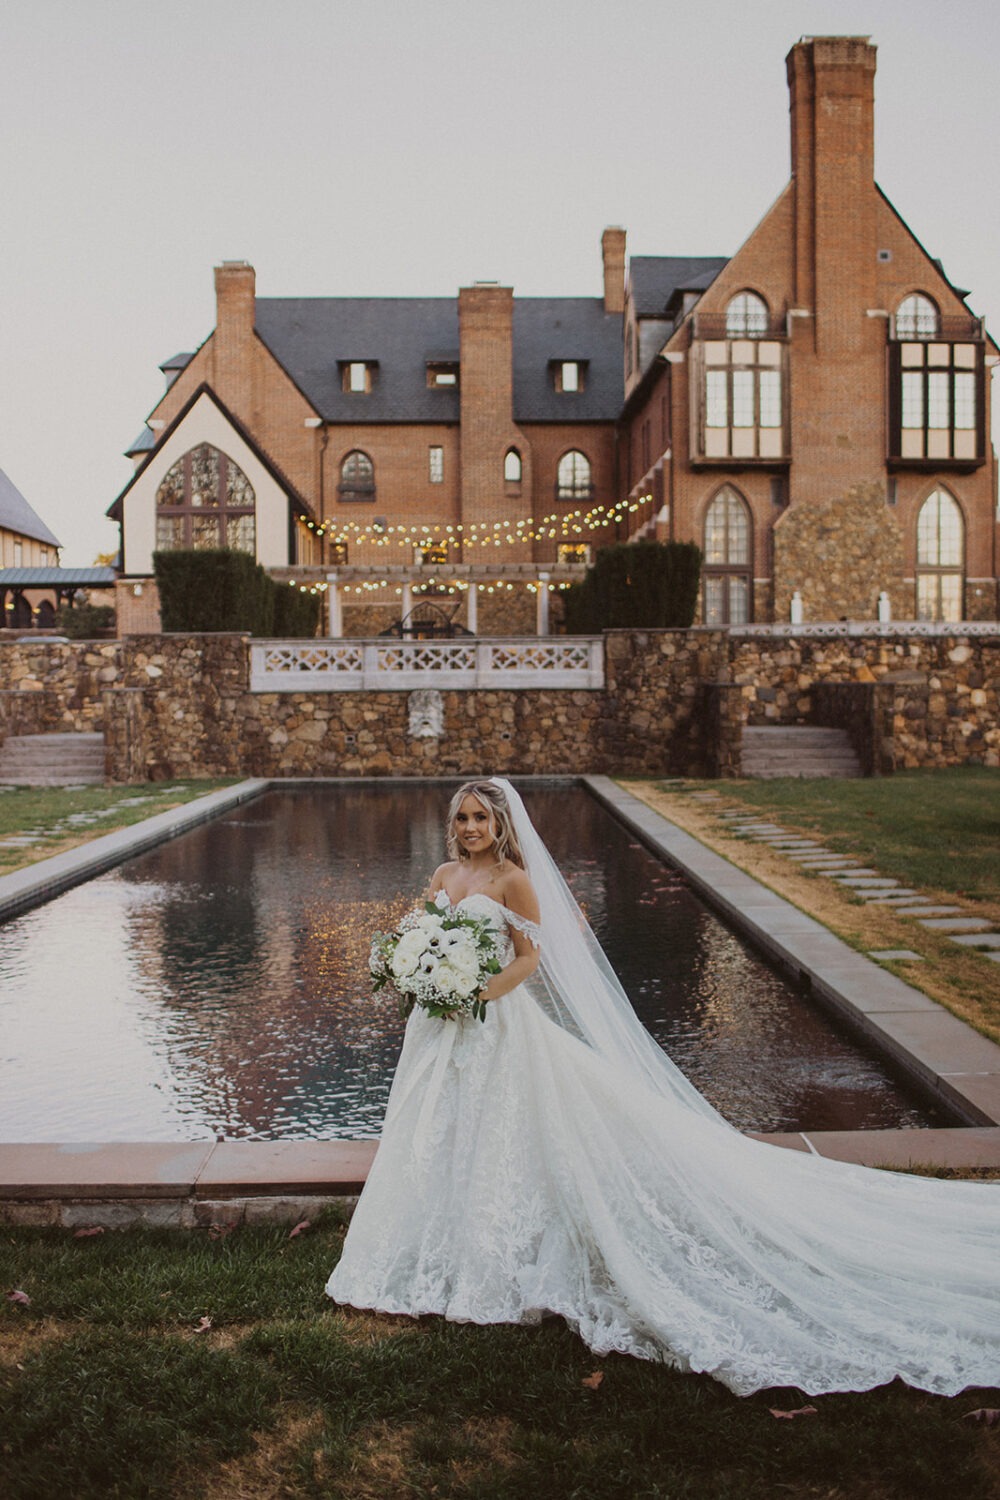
798,750
51,759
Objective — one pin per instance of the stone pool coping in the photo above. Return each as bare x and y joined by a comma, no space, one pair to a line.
940,1052
208,1182
38,882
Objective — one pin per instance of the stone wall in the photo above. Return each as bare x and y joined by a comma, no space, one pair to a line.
839,555
182,707
673,703
654,716
852,706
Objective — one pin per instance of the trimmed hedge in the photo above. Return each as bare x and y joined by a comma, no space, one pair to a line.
296,614
221,590
636,585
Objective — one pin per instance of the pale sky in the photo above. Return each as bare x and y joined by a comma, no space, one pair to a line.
393,147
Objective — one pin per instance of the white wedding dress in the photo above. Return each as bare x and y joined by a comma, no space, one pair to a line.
523,1171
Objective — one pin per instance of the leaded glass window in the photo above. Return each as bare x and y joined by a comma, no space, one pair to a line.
205,501
940,558
936,409
727,580
357,477
746,316
917,318
573,476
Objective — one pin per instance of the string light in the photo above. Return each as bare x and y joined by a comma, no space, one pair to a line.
479,534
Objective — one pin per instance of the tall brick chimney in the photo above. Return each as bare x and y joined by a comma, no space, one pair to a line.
235,297
486,393
613,256
831,87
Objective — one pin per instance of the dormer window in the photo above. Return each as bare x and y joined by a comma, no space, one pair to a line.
917,318
568,375
357,376
442,374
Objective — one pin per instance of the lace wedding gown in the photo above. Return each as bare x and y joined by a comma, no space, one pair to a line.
522,1173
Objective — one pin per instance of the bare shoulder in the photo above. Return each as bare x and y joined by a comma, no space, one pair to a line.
439,880
519,893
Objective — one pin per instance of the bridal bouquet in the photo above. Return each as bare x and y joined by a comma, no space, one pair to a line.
438,959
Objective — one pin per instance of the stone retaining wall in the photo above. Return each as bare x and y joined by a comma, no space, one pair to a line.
674,703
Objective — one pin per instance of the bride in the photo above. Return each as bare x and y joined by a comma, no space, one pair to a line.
554,1161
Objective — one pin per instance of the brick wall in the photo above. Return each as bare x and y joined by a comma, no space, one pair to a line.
835,251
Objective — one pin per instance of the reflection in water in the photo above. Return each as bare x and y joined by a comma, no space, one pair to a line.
219,984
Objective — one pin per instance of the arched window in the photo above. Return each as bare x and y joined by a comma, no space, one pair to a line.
917,318
573,477
727,573
940,558
746,316
512,466
357,477
205,501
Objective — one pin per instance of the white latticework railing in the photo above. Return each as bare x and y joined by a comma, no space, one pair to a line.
957,630
344,666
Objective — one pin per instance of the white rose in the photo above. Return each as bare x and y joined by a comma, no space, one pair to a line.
454,982
407,954
466,962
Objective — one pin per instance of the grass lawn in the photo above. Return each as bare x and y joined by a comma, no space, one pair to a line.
107,1388
936,831
58,818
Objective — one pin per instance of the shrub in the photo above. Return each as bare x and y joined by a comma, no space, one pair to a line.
84,622
636,585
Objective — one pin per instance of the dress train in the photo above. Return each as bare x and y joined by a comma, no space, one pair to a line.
521,1173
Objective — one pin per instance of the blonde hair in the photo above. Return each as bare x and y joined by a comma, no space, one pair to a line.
493,799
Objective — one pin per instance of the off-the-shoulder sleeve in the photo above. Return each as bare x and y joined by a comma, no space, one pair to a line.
532,931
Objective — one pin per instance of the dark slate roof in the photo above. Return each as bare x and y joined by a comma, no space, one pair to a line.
653,279
143,443
566,328
177,362
312,337
17,515
50,578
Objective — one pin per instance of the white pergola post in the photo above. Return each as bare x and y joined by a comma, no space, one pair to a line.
471,607
542,605
334,611
407,598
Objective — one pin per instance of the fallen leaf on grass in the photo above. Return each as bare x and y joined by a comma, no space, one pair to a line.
300,1228
593,1381
204,1325
88,1234
15,1296
799,1411
988,1415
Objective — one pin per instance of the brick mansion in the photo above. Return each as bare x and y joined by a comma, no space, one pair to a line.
813,411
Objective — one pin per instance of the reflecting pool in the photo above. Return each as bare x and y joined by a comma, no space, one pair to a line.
218,985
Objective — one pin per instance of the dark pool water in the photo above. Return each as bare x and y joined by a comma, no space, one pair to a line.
218,984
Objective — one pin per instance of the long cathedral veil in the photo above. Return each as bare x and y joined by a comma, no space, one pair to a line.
576,983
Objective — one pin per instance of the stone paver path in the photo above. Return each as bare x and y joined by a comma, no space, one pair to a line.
960,926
